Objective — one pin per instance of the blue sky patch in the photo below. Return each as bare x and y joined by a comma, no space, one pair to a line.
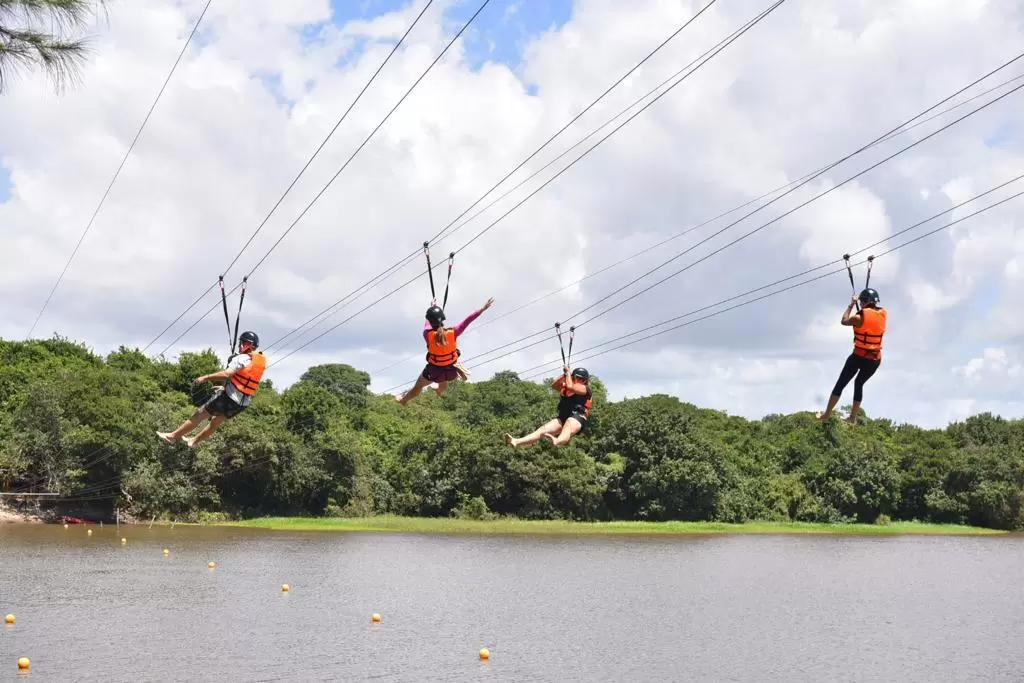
272,82
5,185
498,34
1001,135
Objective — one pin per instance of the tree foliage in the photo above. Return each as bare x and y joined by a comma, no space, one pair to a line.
84,426
38,33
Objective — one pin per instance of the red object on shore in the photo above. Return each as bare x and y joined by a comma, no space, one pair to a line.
75,520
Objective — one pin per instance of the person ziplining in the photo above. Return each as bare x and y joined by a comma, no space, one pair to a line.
242,377
869,325
443,364
575,400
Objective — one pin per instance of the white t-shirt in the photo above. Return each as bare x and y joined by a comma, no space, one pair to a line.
242,360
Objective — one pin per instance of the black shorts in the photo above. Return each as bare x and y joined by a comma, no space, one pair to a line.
578,415
220,404
437,373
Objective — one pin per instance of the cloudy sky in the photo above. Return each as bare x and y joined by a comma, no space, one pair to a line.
264,82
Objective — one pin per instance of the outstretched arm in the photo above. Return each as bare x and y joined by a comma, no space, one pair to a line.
461,327
850,318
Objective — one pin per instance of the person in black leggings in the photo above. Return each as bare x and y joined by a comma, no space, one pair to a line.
868,329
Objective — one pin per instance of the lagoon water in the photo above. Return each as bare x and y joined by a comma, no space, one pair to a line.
708,608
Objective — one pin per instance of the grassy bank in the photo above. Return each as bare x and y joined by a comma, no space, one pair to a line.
431,525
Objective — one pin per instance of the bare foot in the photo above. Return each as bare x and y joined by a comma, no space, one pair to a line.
398,399
166,436
821,416
510,440
191,441
851,420
550,438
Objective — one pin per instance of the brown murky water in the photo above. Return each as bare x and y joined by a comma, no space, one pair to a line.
738,608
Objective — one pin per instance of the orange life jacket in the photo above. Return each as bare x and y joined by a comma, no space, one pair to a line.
867,339
568,393
445,354
247,379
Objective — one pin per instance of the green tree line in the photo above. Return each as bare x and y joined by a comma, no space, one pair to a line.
83,426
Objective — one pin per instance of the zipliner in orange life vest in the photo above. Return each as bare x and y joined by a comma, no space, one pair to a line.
867,339
247,379
446,354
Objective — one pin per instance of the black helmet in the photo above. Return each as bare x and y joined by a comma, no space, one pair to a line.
435,316
249,338
581,373
869,296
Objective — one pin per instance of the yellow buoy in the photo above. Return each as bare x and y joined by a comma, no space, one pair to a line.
123,541
88,532
284,588
376,618
65,526
24,663
211,565
166,551
9,619
485,653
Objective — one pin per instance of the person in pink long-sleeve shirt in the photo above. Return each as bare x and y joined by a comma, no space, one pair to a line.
442,352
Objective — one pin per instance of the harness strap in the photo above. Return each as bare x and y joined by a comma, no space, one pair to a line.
227,319
451,261
430,273
238,316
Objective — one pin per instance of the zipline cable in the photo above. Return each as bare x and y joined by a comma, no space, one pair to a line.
687,231
692,247
776,293
112,483
869,260
954,122
749,25
343,167
117,173
295,180
437,236
378,127
817,268
777,218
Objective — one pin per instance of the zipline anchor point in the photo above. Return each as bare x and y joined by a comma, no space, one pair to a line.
846,257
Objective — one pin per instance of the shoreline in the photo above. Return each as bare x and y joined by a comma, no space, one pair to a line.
443,525
9,515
